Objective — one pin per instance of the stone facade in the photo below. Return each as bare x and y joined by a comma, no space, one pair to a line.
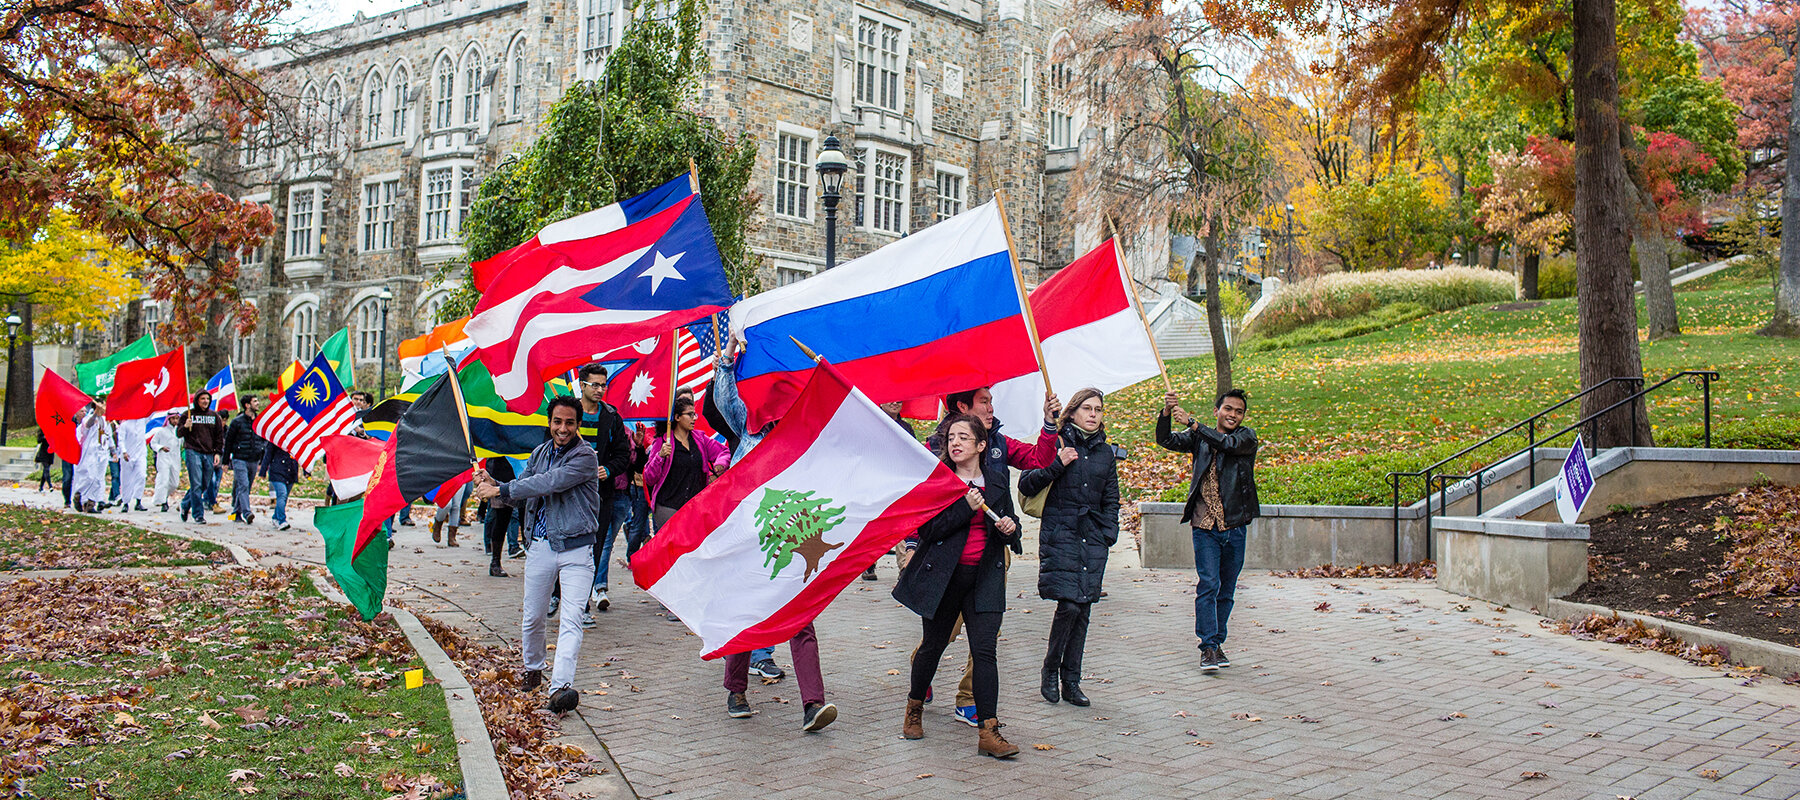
938,103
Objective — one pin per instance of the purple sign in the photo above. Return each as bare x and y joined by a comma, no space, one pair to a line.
1575,483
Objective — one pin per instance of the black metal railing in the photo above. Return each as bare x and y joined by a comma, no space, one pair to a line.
1440,482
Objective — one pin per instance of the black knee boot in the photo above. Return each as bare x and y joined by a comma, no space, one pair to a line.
1053,658
1075,642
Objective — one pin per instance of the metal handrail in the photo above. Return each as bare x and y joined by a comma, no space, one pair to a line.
1442,481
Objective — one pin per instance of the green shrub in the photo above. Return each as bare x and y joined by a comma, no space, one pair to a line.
1333,329
1556,277
1342,295
257,382
1762,433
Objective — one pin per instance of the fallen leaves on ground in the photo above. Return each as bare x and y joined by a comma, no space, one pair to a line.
1417,570
1763,530
1617,630
41,538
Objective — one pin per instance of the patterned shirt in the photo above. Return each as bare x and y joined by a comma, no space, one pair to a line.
1212,509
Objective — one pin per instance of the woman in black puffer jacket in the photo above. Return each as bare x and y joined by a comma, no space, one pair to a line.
1080,524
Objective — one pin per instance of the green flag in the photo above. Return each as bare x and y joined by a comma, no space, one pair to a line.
337,351
363,580
495,430
96,377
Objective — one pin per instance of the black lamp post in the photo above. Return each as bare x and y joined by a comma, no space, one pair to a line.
1287,274
12,339
385,297
831,167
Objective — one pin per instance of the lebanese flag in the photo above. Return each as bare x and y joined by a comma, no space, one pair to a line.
763,550
349,462
149,386
58,401
1093,335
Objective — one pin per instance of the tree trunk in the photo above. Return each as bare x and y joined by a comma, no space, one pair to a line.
1528,275
20,407
1215,317
1787,281
1607,311
1659,294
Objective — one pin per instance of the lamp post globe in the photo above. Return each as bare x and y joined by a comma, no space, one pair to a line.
831,167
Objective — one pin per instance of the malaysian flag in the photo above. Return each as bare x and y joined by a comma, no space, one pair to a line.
300,416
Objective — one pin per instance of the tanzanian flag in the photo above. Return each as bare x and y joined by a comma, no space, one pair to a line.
493,429
362,576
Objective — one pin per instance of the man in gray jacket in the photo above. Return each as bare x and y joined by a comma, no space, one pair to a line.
561,501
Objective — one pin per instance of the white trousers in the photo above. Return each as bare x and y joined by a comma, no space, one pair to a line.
544,568
168,476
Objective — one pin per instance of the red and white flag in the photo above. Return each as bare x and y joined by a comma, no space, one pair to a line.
349,462
762,551
1093,335
149,386
638,375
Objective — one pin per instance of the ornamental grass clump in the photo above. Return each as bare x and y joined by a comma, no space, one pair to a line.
1347,294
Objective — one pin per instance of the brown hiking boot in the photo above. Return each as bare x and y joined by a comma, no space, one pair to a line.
914,728
991,743
437,529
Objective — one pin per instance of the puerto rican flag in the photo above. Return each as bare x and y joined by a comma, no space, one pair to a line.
598,222
1093,335
555,308
224,390
314,407
736,566
936,312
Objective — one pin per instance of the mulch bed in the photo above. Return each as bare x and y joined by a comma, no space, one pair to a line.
1649,560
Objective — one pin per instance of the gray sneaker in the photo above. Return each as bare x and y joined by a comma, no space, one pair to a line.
555,603
736,706
767,669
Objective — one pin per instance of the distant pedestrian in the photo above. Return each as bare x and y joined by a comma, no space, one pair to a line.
89,494
202,431
1080,525
499,516
560,497
449,517
245,447
134,472
165,446
1220,505
44,459
283,472
604,429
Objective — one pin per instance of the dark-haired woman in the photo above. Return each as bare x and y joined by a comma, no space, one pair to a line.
681,463
959,569
1080,525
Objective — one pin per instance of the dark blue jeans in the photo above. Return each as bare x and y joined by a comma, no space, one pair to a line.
621,517
1218,558
637,531
201,477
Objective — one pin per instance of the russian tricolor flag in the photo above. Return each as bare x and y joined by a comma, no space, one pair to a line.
936,312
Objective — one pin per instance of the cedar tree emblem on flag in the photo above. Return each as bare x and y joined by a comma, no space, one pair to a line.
790,522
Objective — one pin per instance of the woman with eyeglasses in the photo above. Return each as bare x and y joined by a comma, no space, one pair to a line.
681,463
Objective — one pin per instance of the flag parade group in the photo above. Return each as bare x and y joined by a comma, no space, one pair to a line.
756,452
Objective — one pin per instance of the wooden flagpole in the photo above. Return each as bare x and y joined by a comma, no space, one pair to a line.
693,175
674,375
1012,257
1131,292
462,409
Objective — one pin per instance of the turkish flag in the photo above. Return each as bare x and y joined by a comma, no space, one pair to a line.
147,387
58,401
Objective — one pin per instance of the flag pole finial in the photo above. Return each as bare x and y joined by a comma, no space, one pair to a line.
804,349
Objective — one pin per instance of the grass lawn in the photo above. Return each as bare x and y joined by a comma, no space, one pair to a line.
1335,416
227,684
41,538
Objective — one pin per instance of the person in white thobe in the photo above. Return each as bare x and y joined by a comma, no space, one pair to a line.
90,471
133,472
166,447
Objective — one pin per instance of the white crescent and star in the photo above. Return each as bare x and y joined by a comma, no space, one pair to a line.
664,268
156,387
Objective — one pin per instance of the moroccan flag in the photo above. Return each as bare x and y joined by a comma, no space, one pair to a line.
760,553
429,447
149,387
58,401
96,377
360,571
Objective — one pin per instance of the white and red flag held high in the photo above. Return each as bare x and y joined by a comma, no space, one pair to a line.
1093,335
762,551
313,407
552,309
148,387
350,463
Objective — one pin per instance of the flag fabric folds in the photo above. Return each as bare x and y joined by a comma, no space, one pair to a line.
1092,334
360,573
148,387
763,550
555,310
597,222
289,374
939,311
349,461
57,403
95,378
337,351
421,357
223,388
429,447
493,428
314,407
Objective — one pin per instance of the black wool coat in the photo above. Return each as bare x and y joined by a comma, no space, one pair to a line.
941,539
1081,518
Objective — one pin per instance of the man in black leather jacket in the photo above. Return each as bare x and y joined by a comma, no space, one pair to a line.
1221,502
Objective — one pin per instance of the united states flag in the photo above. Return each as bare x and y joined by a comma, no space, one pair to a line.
313,407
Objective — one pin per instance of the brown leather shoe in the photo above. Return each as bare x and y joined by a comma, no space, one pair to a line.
532,680
991,743
914,728
452,537
437,529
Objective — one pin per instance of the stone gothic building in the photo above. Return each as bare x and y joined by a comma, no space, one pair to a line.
939,103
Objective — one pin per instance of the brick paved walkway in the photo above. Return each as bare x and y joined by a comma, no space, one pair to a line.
1398,691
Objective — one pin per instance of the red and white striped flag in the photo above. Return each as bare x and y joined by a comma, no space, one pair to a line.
313,407
349,463
763,550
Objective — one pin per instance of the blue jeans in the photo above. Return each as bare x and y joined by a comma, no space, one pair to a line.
200,485
621,516
243,477
212,489
1218,558
637,531
112,471
761,653
281,495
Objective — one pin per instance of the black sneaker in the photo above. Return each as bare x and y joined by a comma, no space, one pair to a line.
869,574
564,700
1220,658
1209,660
767,669
817,716
737,707
532,680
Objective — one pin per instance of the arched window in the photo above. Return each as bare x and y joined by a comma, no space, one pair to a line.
309,118
402,77
303,327
334,115
471,85
444,99
374,105
428,311
515,77
368,331
1061,120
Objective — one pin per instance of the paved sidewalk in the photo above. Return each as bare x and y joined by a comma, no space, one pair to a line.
1397,690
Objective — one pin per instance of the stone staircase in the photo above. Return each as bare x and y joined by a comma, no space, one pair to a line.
1179,325
16,465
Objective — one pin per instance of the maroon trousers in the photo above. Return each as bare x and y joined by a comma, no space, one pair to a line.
804,647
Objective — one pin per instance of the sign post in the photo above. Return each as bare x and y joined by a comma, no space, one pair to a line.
1574,483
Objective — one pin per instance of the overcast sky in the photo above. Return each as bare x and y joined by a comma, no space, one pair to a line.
316,14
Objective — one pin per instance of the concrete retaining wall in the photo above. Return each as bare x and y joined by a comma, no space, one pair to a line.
1513,562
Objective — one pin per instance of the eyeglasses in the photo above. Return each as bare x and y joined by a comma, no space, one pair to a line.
594,384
